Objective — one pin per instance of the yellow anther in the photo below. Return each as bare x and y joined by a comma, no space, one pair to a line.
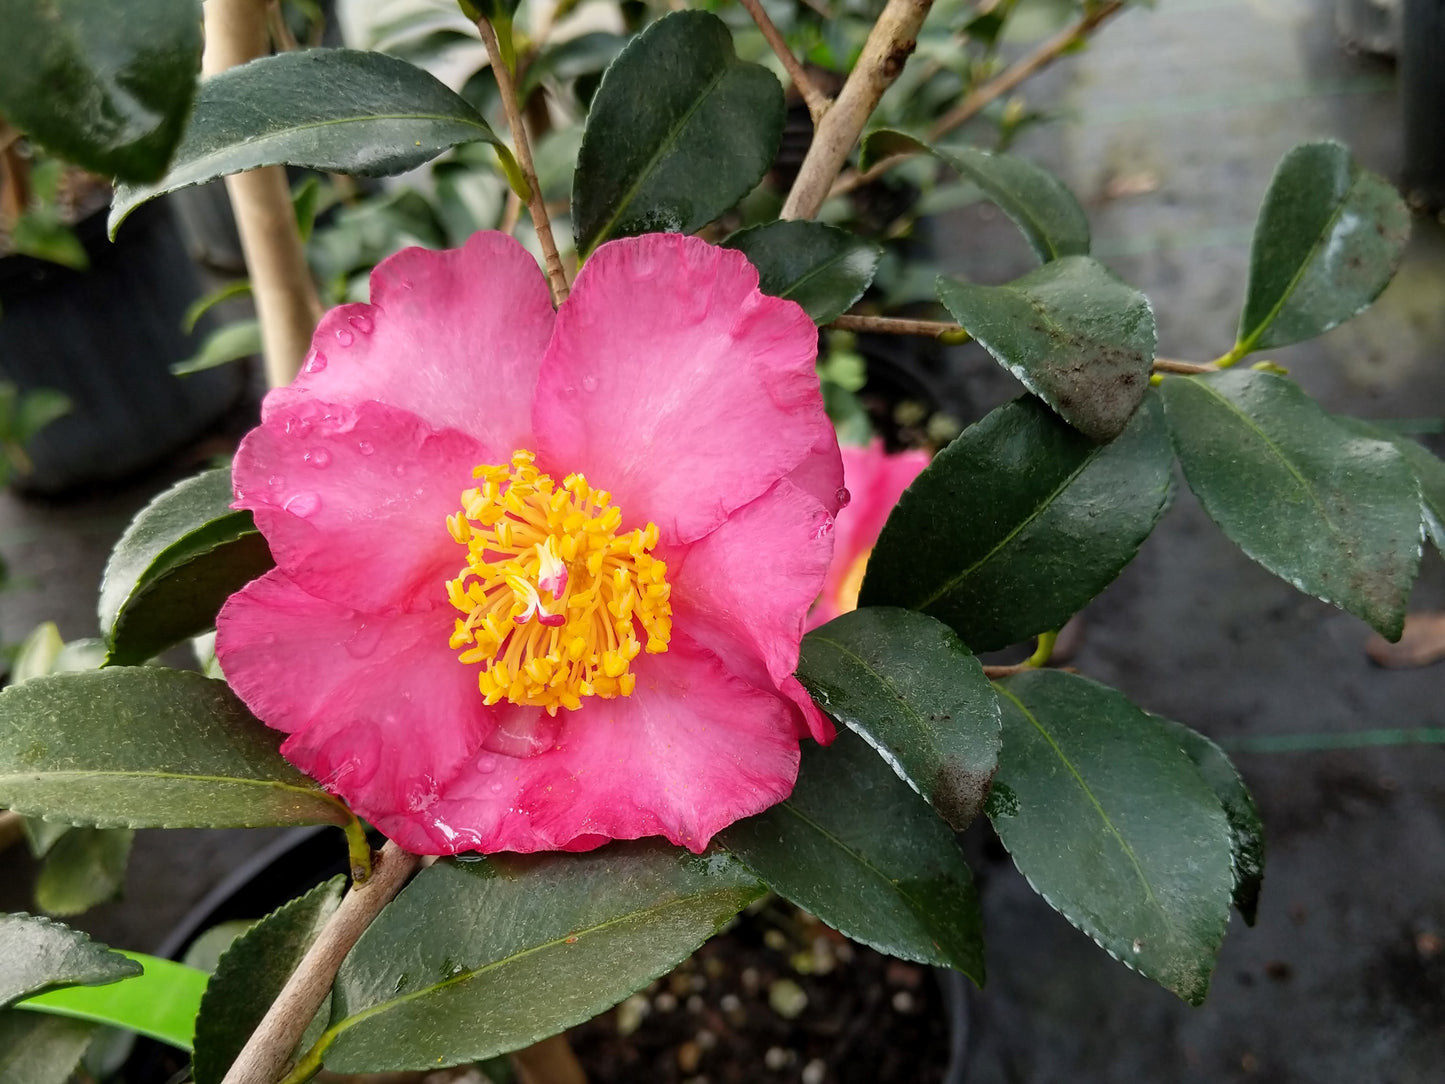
557,602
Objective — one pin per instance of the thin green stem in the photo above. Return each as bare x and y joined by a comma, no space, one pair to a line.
1236,354
1043,651
308,1066
1315,743
359,850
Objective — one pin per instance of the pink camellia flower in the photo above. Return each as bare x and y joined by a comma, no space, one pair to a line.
542,576
875,481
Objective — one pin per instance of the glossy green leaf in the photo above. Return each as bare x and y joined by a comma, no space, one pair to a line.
226,344
907,685
857,847
161,1002
1329,238
679,131
182,556
1076,336
107,93
85,867
1246,829
39,953
822,268
1335,514
147,747
250,975
1112,823
1429,473
38,1049
1039,204
334,110
479,958
1021,521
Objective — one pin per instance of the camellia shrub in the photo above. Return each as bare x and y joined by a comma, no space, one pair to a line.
544,559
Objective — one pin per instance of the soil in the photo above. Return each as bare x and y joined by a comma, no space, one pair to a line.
779,997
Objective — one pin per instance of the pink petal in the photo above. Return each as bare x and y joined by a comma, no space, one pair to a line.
455,337
875,480
692,750
744,590
378,708
353,500
674,383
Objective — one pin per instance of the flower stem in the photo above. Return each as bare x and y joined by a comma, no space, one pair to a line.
816,101
889,44
506,86
286,300
1040,57
265,1056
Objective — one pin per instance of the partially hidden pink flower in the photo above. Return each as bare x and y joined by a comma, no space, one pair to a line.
874,480
542,576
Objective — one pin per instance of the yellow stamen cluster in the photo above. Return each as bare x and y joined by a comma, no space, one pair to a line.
552,595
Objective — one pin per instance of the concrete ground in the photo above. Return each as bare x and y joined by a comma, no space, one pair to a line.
1178,116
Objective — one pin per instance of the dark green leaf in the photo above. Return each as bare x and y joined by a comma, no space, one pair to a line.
1112,823
250,976
41,234
586,54
1045,211
36,409
822,268
1429,473
905,683
856,847
183,555
1246,830
1328,239
37,1049
160,1002
1020,522
334,110
202,305
146,747
107,93
479,958
1077,337
85,867
1335,514
679,131
39,953
226,344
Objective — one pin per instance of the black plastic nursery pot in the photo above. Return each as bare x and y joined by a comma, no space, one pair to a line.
106,338
722,1014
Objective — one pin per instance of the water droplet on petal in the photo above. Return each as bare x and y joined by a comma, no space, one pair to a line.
569,389
496,788
842,496
399,469
303,504
824,529
486,763
365,447
276,480
589,383
317,457
315,361
361,322
344,336
363,641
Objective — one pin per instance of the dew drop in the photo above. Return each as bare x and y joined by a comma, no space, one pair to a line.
276,480
318,457
361,322
315,362
496,788
365,447
589,383
486,764
824,529
842,496
345,336
303,504
363,641
569,389
399,469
